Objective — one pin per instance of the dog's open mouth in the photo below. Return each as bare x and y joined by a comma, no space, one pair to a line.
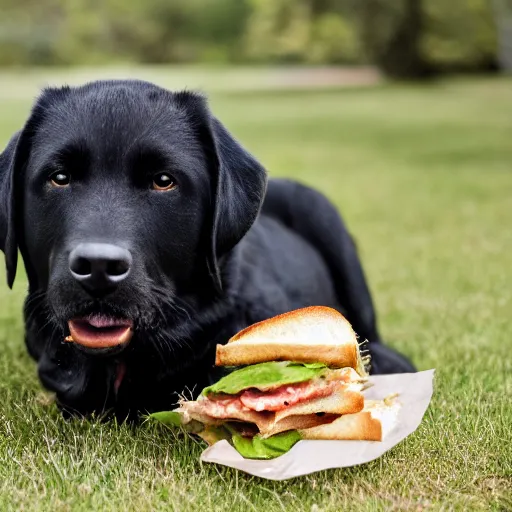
100,331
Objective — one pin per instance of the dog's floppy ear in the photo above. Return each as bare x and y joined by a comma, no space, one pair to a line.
239,193
8,242
12,164
240,182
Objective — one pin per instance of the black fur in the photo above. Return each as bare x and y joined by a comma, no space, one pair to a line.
224,249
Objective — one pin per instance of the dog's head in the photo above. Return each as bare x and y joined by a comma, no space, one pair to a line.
123,198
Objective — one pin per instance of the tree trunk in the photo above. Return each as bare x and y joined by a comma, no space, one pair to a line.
503,18
397,53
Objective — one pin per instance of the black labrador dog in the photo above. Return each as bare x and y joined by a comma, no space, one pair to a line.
135,210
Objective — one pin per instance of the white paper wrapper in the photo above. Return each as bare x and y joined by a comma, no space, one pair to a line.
415,392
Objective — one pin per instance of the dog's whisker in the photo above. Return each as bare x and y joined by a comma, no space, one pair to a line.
34,302
49,320
171,301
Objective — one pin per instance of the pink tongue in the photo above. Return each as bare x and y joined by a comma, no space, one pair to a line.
100,322
100,331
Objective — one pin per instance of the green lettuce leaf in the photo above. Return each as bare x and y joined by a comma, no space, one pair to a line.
313,365
269,448
170,418
250,448
262,375
212,434
174,419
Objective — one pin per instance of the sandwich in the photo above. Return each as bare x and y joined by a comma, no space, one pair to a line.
300,376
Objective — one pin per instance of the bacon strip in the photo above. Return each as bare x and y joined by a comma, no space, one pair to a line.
286,396
282,397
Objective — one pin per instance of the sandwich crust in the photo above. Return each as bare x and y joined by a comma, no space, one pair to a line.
303,421
234,354
302,316
373,423
361,426
309,335
342,401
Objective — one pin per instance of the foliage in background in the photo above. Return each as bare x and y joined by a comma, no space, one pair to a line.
416,34
312,31
65,32
460,32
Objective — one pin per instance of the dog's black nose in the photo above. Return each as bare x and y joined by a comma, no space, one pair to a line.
99,267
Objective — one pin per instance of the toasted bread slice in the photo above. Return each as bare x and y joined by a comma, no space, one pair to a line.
373,423
315,334
303,421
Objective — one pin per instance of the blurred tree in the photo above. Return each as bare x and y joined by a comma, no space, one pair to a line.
503,15
391,33
460,35
406,38
278,30
315,31
95,31
153,31
334,39
27,31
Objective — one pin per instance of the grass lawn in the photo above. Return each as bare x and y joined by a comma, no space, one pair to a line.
422,175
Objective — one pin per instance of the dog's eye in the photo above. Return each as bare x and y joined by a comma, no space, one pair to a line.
163,181
60,179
